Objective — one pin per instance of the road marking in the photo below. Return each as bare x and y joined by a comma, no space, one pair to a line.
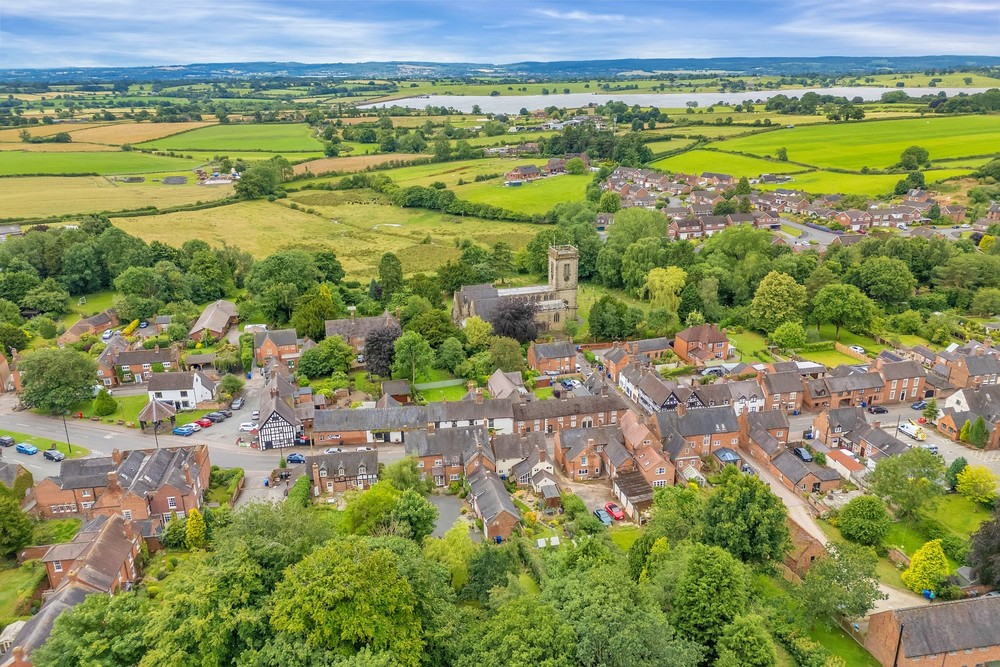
109,436
24,425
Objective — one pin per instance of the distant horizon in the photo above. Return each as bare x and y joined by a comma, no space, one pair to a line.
53,34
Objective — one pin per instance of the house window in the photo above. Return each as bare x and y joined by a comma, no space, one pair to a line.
438,463
420,464
172,502
491,423
362,470
322,472
582,472
158,394
57,566
128,514
716,442
86,493
184,394
454,477
340,471
583,460
779,433
661,471
146,367
658,483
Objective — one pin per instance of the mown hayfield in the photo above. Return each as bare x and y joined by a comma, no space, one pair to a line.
971,162
274,137
119,162
712,131
72,147
43,196
450,173
534,197
14,134
359,233
132,133
697,161
876,144
829,182
349,163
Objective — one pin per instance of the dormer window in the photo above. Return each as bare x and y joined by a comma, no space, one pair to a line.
322,472
362,470
340,471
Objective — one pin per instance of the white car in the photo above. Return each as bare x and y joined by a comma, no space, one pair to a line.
365,449
857,348
194,427
255,414
246,427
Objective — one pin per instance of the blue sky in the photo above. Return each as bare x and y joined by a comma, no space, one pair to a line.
54,33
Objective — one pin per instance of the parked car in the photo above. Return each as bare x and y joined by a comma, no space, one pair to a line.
615,511
919,405
53,455
360,358
578,368
365,449
857,348
246,427
803,454
183,430
603,516
301,440
215,417
226,412
25,448
255,414
878,410
194,426
204,422
107,334
143,324
6,441
295,457
238,403
332,450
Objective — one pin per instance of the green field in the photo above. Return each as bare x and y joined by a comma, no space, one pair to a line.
27,163
828,182
698,161
450,173
534,197
672,145
249,156
878,143
275,137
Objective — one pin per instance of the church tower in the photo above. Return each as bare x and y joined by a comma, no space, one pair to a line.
563,275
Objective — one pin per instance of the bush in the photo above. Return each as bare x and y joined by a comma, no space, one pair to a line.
298,495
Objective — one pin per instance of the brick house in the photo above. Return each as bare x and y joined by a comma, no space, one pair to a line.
280,345
615,360
138,366
695,345
559,358
693,434
101,556
904,380
579,452
524,172
342,471
854,219
973,370
107,360
215,320
362,426
509,449
805,549
647,452
950,634
568,412
492,505
782,391
747,396
802,477
831,424
850,388
96,324
763,434
442,454
653,349
139,484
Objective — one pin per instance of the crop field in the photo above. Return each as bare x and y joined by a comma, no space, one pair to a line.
449,173
697,161
358,232
503,139
73,147
132,133
876,144
671,145
120,162
43,196
829,182
534,197
351,163
273,137
952,80
712,131
14,135
252,156
971,162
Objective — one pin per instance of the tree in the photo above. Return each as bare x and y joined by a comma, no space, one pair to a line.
101,631
984,551
329,356
104,404
57,380
913,158
842,305
778,299
789,336
986,301
951,476
610,202
15,527
312,311
515,319
782,154
864,520
747,519
928,568
977,483
390,275
366,511
490,566
413,357
664,287
231,385
454,551
451,354
346,597
845,583
612,319
501,640
887,280
963,433
403,474
746,643
909,481
380,350
979,433
505,354
478,334
48,297
575,166
416,514
195,532
931,411
712,591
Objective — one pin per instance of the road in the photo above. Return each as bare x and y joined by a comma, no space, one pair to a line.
826,238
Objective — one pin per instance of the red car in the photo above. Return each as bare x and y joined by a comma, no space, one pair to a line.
204,422
615,511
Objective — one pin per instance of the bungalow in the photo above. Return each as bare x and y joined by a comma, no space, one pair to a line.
492,505
96,324
697,344
184,390
215,320
552,358
526,172
803,477
342,471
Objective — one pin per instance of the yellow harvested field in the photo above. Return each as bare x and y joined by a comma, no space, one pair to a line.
14,134
41,196
350,164
71,147
132,133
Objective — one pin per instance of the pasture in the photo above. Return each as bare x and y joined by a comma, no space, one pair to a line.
272,137
697,161
876,143
450,173
670,145
358,232
534,197
44,196
829,182
120,162
351,163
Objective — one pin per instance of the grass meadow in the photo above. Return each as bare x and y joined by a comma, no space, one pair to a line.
697,161
829,182
534,197
103,163
272,137
350,163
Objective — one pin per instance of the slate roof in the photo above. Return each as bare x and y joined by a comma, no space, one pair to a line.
615,355
490,495
448,443
900,370
280,337
9,470
84,473
371,419
557,350
854,382
360,327
982,364
784,382
215,317
36,629
703,421
744,389
396,387
713,395
574,405
848,418
765,441
950,626
517,446
139,357
705,333
470,410
505,385
275,408
648,345
178,381
795,469
145,471
350,461
199,359
884,442
575,440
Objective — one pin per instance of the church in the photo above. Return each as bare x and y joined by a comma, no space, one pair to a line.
554,303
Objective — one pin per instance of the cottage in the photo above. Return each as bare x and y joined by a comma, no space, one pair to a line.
215,320
688,437
509,449
506,385
280,345
568,412
492,505
552,358
100,557
342,471
355,330
184,390
95,324
580,452
783,390
802,477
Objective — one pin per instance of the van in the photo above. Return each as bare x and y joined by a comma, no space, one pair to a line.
933,449
912,430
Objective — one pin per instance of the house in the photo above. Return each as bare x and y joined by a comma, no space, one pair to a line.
528,471
803,477
646,451
845,386
854,219
695,345
100,557
525,172
400,390
280,345
993,214
831,424
782,390
552,358
442,454
506,385
355,330
865,441
509,449
747,396
492,505
950,634
36,629
360,426
10,230
342,471
805,548
107,360
653,349
763,434
96,325
579,452
904,380
139,484
215,320
279,422
568,412
184,390
138,366
973,370
689,436
616,359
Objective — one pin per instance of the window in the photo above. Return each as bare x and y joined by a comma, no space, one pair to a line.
87,506
146,367
892,395
582,472
894,383
184,394
420,464
583,460
362,470
329,486
491,423
716,442
57,566
86,493
661,471
659,483
128,514
340,471
454,477
171,502
158,394
438,463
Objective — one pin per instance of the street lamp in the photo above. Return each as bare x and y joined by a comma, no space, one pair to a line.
69,447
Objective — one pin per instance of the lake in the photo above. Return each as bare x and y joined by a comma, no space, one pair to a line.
513,104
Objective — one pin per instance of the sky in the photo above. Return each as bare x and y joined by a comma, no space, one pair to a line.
81,33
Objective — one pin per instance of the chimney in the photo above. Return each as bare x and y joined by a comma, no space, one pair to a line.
541,455
479,396
877,423
116,456
352,310
129,529
681,408
274,392
113,481
156,348
187,473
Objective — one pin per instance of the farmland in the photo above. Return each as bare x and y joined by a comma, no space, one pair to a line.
352,163
260,137
132,133
533,197
828,182
23,198
18,163
697,161
876,143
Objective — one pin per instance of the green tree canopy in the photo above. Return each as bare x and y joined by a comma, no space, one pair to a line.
778,299
413,356
864,520
747,519
57,380
842,305
845,583
909,481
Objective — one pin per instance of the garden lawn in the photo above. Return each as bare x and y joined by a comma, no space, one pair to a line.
55,531
129,408
959,514
35,164
829,358
840,644
95,303
271,137
13,581
528,584
625,535
791,231
700,160
912,339
45,443
876,144
748,342
532,197
443,393
543,393
829,332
